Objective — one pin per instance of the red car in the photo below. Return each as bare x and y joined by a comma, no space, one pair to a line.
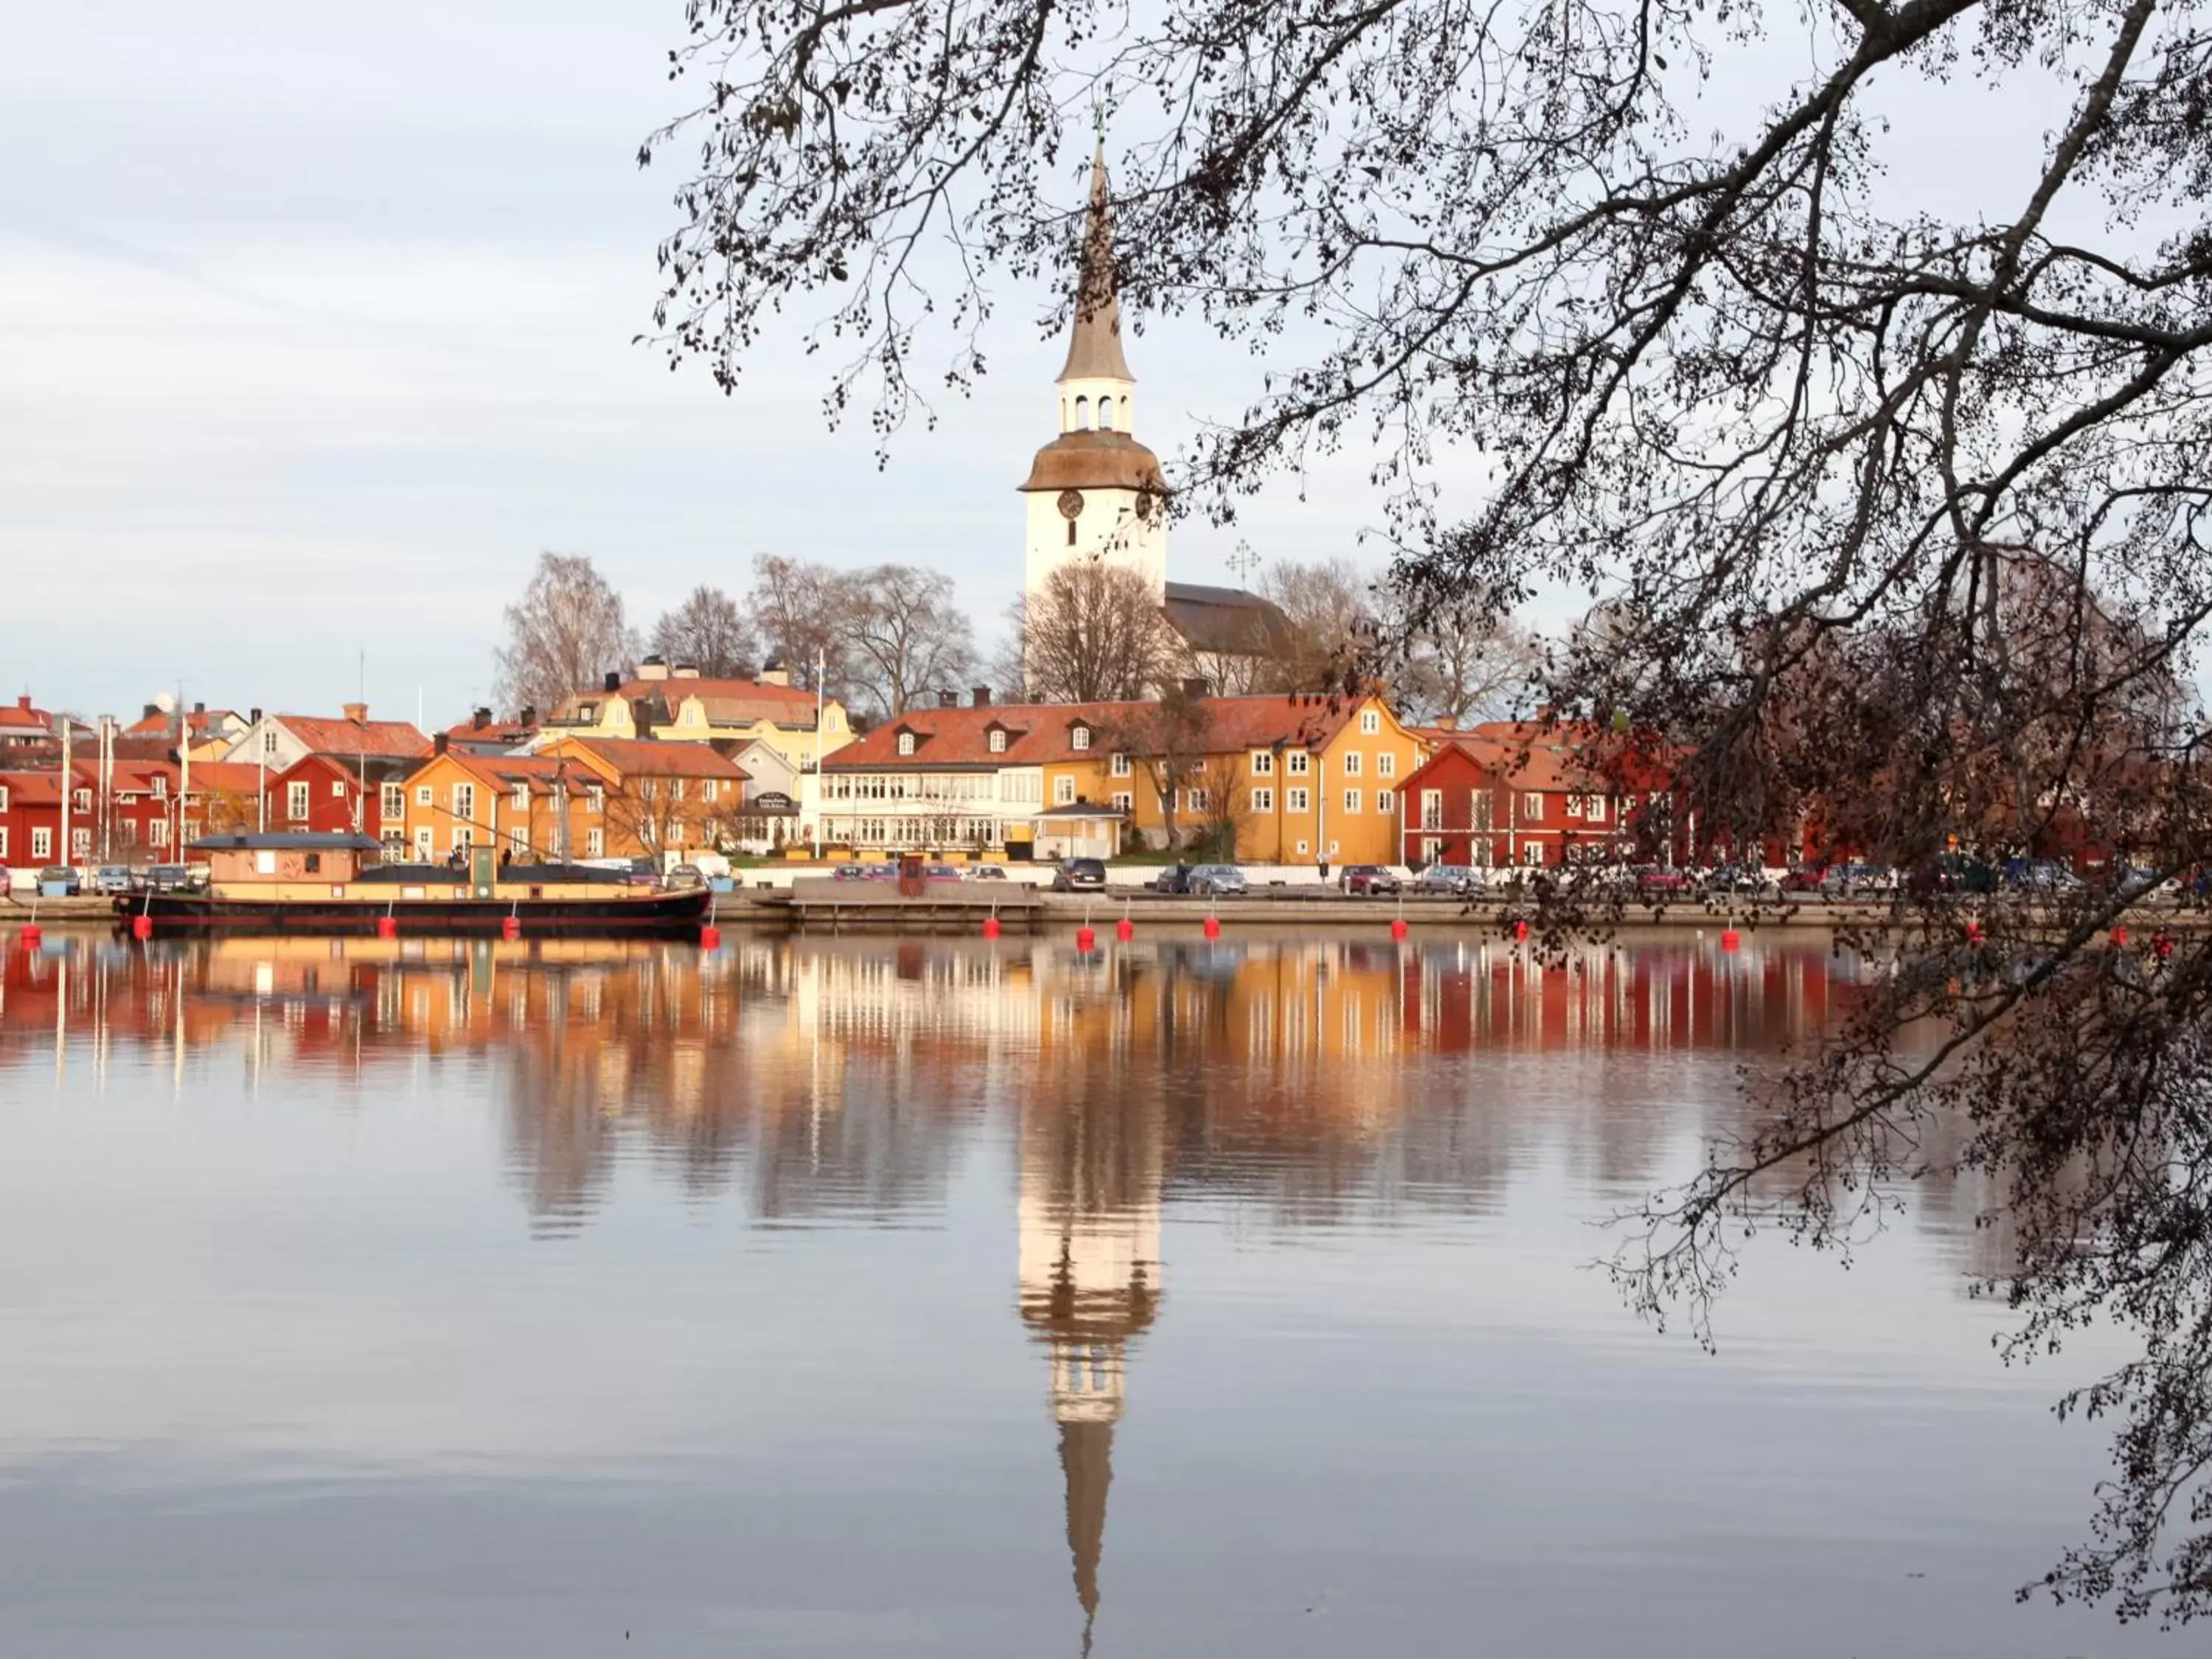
1655,881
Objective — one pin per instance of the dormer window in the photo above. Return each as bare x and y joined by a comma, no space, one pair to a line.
906,743
1079,737
998,741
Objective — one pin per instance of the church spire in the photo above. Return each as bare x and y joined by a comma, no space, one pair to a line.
1094,349
1087,1458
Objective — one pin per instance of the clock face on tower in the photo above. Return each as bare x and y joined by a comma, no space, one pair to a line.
1070,503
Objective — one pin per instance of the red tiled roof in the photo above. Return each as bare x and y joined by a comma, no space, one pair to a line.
223,777
1571,757
648,756
199,722
396,738
15,716
726,699
1040,732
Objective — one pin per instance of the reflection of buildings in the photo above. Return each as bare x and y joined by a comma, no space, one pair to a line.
841,1078
1089,1217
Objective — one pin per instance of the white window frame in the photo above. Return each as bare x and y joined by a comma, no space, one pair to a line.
1078,737
1263,800
1352,762
465,803
1352,802
1532,854
1370,722
906,743
1298,800
157,832
296,799
1386,800
80,842
595,797
1386,764
1122,800
42,844
1300,763
426,844
1263,763
425,796
998,745
1117,766
1574,806
595,842
391,800
1197,798
1532,806
1595,809
338,788
519,797
1063,791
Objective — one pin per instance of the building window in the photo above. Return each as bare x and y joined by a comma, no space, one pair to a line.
42,844
1596,808
521,797
1299,761
464,837
296,800
1063,792
1532,808
1432,809
1386,765
518,842
1574,806
1351,800
1263,764
1370,722
1481,808
393,800
3,843
1532,853
269,741
712,789
676,834
1263,800
1353,763
80,841
676,789
595,843
338,788
1302,849
1122,800
1296,800
4,795
1197,800
465,804
998,741
1079,737
1118,766
157,832
84,800
1386,800
595,798
423,795
906,743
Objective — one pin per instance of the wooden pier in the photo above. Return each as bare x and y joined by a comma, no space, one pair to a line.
825,904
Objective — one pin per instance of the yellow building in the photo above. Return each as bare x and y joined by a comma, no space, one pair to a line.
454,800
651,798
677,705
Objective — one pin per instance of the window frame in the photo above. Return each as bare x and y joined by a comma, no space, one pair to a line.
1263,799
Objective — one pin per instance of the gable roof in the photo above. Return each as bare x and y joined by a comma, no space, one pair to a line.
396,739
727,701
1039,732
1571,757
648,758
1227,621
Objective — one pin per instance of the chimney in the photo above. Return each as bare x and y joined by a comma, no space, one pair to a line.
23,701
948,699
152,709
356,711
256,720
979,696
481,719
687,671
528,717
614,680
1447,722
1195,686
652,668
775,673
199,708
438,744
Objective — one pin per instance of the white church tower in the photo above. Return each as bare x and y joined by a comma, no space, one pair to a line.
1094,492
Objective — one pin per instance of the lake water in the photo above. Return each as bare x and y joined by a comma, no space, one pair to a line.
829,1297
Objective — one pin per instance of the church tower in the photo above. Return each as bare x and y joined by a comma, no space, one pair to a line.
1094,492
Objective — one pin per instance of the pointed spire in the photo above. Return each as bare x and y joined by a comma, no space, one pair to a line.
1094,350
1086,1456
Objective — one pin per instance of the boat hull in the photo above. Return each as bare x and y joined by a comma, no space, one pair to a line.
670,915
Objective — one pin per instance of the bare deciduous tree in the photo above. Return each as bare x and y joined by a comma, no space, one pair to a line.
1726,370
1093,634
1331,610
708,632
908,638
1458,664
565,631
800,609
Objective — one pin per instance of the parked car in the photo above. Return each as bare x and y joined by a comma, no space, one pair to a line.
1080,875
687,875
1455,879
1176,879
1655,881
1370,878
111,878
59,878
1736,879
1218,879
2044,876
1803,878
166,878
987,872
1853,880
940,872
2134,881
1955,873
863,872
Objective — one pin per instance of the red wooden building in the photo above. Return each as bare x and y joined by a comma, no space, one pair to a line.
1535,796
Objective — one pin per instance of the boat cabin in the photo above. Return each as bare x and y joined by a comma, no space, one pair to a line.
319,857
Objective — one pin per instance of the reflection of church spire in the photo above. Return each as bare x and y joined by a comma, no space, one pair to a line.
1089,1212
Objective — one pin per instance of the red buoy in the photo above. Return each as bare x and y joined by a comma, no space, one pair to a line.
710,937
1520,930
510,927
1973,933
141,926
387,928
2119,935
2161,945
1085,940
1213,927
990,927
1730,939
1397,928
31,935
1125,930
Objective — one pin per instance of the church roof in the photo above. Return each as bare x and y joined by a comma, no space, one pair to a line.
1095,460
1227,621
1094,349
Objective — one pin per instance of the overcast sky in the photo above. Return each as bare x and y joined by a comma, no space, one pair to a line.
315,327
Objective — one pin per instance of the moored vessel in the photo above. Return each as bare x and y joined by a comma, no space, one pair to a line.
335,883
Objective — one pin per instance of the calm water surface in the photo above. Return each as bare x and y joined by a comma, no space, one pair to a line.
856,1298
